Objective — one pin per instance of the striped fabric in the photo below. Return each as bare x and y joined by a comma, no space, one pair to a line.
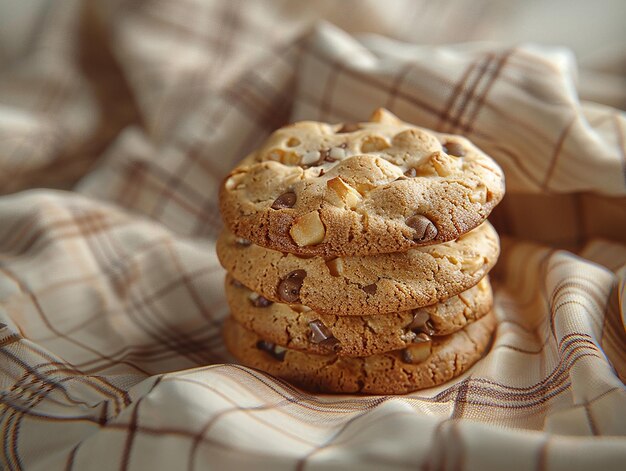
118,120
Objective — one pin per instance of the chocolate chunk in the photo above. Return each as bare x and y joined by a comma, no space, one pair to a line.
370,289
289,287
348,127
325,156
412,172
242,241
259,301
424,228
271,348
406,356
236,283
420,317
453,148
286,200
428,328
319,332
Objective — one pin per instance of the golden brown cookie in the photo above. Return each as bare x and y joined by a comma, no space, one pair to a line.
421,365
363,286
368,188
300,328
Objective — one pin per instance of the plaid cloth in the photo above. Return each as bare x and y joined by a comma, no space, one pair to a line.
111,296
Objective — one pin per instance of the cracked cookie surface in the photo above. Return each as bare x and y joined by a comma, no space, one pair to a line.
395,372
368,188
300,328
361,286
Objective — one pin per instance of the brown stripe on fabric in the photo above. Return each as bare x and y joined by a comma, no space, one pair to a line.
480,101
558,146
130,437
155,179
69,463
133,426
444,116
132,175
67,228
326,100
109,389
301,463
395,85
461,399
542,454
26,290
374,82
455,118
305,97
590,419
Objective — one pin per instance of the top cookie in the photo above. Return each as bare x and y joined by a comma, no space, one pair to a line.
359,189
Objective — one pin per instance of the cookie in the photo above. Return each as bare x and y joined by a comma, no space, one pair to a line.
360,189
421,365
300,328
363,286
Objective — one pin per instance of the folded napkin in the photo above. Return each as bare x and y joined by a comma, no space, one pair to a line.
111,296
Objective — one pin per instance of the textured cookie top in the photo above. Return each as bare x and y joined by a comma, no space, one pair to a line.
366,285
376,187
300,328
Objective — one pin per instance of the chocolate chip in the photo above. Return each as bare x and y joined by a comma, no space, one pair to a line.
453,148
420,317
286,200
319,332
325,156
320,335
406,356
428,328
236,283
370,289
424,228
271,348
348,127
242,241
412,172
289,287
259,301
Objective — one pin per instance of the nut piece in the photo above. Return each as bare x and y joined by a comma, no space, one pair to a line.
374,144
472,264
348,127
335,266
418,351
381,115
310,157
308,230
233,182
345,192
479,194
425,230
443,164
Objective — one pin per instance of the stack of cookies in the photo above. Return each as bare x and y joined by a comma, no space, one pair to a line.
357,255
